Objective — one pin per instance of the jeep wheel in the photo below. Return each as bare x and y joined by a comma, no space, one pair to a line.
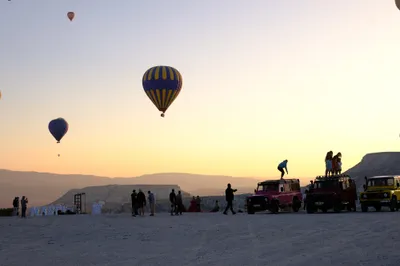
296,205
364,208
393,204
378,208
337,206
324,209
310,207
250,210
274,206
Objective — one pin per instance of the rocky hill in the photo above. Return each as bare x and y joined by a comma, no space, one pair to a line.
43,188
114,196
372,164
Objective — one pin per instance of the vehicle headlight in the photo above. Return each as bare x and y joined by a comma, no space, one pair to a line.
364,196
385,195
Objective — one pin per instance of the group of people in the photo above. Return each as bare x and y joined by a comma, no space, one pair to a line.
333,164
24,206
139,202
176,203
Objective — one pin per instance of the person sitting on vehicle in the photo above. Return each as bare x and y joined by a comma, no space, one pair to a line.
281,166
328,163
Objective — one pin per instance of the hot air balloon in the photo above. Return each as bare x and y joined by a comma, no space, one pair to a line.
162,85
71,15
58,128
0,94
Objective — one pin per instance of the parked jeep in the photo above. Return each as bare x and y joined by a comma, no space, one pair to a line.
381,191
273,195
334,192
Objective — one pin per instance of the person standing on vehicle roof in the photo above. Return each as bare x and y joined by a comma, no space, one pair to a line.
328,163
281,166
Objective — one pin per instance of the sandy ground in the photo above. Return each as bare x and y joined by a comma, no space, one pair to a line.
203,239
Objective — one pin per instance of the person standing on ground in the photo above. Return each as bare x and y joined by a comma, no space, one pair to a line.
134,203
24,203
229,196
179,203
141,200
172,199
152,202
198,204
16,206
305,199
353,197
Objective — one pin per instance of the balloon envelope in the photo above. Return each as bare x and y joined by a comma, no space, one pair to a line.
58,128
162,85
71,15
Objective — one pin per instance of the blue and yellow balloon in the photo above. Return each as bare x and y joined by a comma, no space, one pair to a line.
162,85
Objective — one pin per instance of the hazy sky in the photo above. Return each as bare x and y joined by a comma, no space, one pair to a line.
263,81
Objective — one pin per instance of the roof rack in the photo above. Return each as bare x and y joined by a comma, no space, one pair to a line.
289,180
334,177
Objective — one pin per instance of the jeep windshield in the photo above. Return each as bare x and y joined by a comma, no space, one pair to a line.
327,184
268,187
381,182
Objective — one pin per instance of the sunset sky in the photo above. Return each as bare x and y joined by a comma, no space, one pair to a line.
263,81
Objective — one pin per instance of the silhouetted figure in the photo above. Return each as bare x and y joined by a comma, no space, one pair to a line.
24,203
216,207
152,203
328,163
229,196
198,204
172,200
179,203
141,200
305,199
16,206
134,203
281,166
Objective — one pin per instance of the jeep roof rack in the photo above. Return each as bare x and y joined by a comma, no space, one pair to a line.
382,176
289,180
320,177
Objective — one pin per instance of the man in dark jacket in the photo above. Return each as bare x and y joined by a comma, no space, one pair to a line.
24,203
134,203
229,199
172,199
16,206
141,202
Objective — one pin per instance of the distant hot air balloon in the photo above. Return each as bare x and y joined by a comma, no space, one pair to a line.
162,85
71,15
58,128
0,94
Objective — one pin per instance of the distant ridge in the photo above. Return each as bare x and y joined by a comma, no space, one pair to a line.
43,188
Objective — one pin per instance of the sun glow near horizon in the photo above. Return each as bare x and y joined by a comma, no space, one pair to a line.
263,81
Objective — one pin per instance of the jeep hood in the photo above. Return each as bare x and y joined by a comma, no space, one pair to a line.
379,189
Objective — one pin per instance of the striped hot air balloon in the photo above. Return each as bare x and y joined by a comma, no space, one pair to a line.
162,85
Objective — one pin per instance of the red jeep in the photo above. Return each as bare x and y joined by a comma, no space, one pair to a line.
273,195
